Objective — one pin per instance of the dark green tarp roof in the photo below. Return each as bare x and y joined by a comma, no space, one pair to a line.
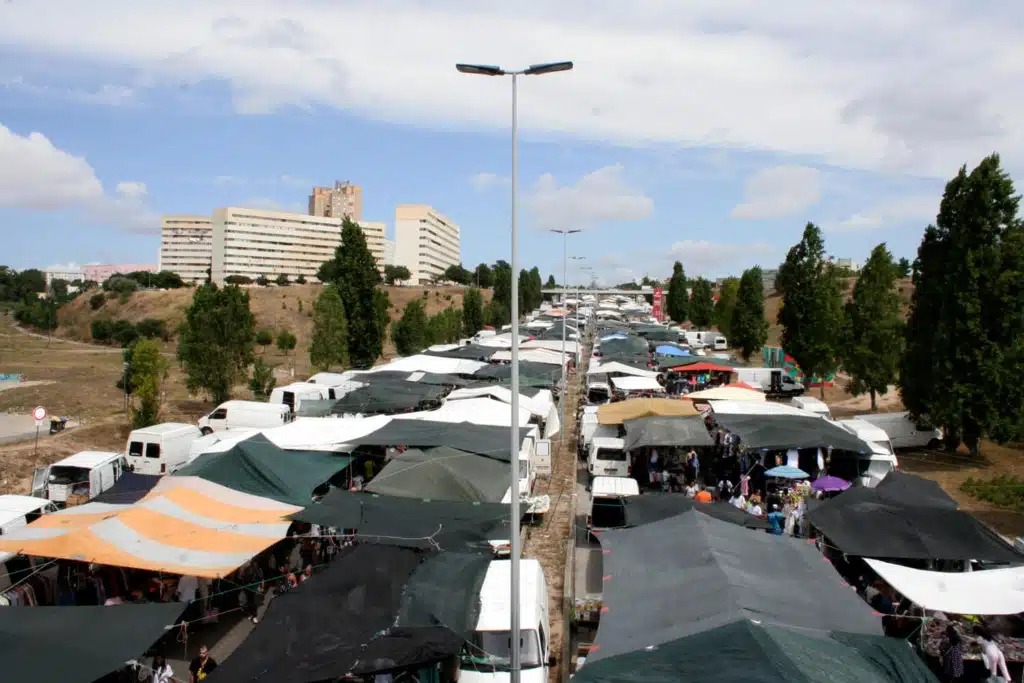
790,431
258,467
526,367
415,377
387,396
443,473
686,430
466,352
493,442
748,652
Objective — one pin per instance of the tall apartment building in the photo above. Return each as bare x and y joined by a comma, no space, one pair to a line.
344,199
186,246
253,242
426,242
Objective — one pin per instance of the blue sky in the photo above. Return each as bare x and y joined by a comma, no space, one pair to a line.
710,133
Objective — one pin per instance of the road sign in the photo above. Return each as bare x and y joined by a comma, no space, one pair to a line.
39,414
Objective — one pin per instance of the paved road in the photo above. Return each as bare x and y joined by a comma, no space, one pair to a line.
18,428
589,558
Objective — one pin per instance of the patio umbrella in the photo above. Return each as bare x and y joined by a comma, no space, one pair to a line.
830,483
787,472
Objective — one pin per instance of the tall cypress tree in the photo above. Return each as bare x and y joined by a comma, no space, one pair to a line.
726,304
676,302
917,379
873,332
500,308
702,304
472,312
353,270
748,329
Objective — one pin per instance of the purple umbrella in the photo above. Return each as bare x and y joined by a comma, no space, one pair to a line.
830,483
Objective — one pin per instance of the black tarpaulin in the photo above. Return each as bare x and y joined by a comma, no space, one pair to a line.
790,431
443,473
375,608
416,377
387,396
466,352
412,522
863,521
914,490
531,373
691,573
750,652
493,442
688,430
70,644
130,488
654,507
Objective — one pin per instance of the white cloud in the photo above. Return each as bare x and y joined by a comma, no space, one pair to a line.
105,95
599,197
36,175
920,208
911,87
227,180
779,191
485,181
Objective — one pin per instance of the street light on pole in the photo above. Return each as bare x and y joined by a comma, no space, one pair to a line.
535,70
565,314
582,268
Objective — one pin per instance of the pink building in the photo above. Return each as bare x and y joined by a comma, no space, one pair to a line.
99,273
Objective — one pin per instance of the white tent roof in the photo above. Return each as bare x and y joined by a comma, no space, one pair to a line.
324,433
637,384
729,395
535,355
538,405
571,347
436,364
622,368
758,408
480,411
986,592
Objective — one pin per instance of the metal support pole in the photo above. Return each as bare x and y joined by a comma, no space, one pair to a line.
565,320
515,550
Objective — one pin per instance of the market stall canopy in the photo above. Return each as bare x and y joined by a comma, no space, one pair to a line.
425,363
636,384
493,442
620,412
185,525
417,377
479,411
654,507
257,467
411,522
727,394
615,367
571,347
324,433
388,396
760,408
860,521
534,374
982,593
666,431
130,488
465,352
67,644
691,573
671,350
374,608
443,474
750,651
542,356
786,472
539,404
703,367
790,431
914,490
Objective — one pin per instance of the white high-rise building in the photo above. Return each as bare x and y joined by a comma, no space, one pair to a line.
252,242
426,242
186,246
389,252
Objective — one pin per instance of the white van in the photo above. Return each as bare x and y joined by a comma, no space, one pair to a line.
608,501
162,448
773,381
607,457
721,344
78,478
812,405
19,511
486,657
872,467
293,395
245,414
904,432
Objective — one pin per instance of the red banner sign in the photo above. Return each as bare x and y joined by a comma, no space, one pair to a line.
659,297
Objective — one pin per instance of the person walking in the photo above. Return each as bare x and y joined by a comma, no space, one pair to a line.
161,671
202,666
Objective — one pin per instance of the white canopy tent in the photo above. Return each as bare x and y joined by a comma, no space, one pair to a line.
729,394
986,592
436,364
481,411
538,405
619,368
324,433
636,384
535,355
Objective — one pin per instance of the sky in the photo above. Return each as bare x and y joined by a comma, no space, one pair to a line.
705,131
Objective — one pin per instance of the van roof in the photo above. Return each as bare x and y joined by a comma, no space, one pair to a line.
614,487
87,459
865,429
495,603
254,405
163,429
297,386
609,442
12,507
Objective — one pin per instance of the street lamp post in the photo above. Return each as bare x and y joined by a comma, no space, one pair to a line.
565,314
535,70
582,268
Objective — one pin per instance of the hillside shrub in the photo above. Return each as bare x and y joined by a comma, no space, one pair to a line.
1005,490
101,331
96,301
153,328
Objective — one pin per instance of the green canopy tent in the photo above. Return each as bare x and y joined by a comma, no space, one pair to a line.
790,431
684,430
258,467
388,396
443,473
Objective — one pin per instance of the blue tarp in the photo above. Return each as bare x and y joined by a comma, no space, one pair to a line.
667,350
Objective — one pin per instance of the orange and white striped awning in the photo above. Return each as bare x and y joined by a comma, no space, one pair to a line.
185,525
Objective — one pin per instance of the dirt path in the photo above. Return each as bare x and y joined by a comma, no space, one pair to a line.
549,543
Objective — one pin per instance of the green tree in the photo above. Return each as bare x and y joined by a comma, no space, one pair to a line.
903,267
726,304
286,342
409,333
702,304
101,331
329,345
353,270
237,280
472,312
262,281
215,341
444,327
458,275
96,301
748,329
265,338
812,313
536,287
501,303
301,279
551,284
124,333
393,274
262,381
153,328
282,280
148,371
381,316
483,276
872,342
677,300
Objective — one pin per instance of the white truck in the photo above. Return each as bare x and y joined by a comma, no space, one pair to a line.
773,381
292,395
78,478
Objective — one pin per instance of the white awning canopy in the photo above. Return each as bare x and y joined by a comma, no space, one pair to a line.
619,368
986,592
637,384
